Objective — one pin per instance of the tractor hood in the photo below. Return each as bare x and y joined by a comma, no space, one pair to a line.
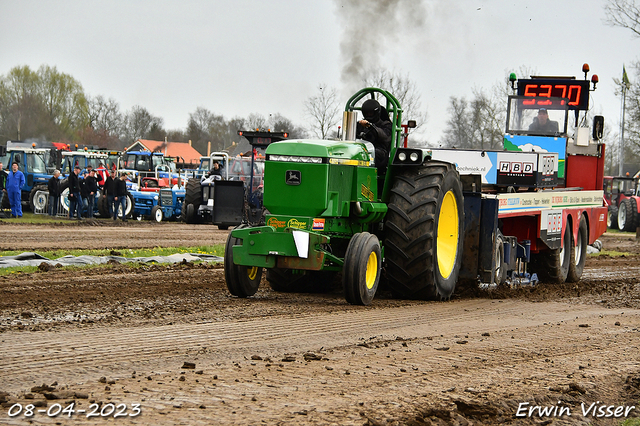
325,149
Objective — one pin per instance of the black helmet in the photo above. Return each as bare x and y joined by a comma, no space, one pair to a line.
371,110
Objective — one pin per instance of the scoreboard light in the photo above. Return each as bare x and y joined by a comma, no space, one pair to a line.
576,93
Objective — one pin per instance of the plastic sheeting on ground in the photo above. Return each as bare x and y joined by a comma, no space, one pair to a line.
34,259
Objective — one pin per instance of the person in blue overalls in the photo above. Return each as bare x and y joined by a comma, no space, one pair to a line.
15,182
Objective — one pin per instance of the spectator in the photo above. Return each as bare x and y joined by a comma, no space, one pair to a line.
83,193
90,187
3,184
109,193
75,198
120,197
101,175
15,182
54,193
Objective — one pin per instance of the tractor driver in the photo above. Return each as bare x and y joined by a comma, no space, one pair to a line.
542,124
377,131
217,169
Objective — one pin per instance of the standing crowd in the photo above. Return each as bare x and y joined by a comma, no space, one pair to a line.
82,191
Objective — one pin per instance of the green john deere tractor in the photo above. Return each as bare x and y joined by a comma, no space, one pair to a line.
331,210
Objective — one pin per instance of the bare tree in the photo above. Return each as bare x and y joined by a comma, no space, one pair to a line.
280,123
256,121
404,90
623,13
457,134
139,123
323,110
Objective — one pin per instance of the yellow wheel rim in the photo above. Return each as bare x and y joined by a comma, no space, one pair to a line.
252,272
447,237
372,270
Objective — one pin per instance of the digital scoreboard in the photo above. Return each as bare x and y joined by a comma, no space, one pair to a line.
575,93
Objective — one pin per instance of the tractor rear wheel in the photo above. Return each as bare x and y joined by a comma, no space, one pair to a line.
628,215
362,268
612,217
424,226
579,253
552,266
242,281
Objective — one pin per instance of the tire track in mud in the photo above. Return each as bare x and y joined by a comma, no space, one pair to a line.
76,355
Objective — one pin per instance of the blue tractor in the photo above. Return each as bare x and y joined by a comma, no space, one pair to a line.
35,164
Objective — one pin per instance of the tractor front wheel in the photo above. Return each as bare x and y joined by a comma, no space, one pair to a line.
39,199
156,214
242,281
424,227
361,270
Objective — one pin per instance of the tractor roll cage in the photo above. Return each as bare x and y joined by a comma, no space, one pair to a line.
395,115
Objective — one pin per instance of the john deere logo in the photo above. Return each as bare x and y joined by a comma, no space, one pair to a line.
293,177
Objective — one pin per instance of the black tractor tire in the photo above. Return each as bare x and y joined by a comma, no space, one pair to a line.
612,217
157,214
299,281
362,269
189,213
500,266
36,202
579,252
552,266
6,205
193,192
103,207
424,227
628,215
242,281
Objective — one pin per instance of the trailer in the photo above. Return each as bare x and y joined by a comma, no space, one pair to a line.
432,218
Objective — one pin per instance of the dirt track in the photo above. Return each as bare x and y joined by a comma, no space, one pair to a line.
307,358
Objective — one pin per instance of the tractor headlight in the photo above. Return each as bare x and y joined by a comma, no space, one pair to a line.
402,156
205,194
413,156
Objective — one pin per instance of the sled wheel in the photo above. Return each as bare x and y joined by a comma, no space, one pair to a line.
579,252
552,266
500,265
242,281
361,270
612,217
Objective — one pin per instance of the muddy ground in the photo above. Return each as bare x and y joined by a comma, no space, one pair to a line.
171,339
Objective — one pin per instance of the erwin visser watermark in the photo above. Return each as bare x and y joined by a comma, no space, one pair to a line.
595,409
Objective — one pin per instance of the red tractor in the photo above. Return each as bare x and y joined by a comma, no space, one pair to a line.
622,199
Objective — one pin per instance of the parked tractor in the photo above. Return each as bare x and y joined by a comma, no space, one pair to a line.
622,199
225,197
33,162
432,218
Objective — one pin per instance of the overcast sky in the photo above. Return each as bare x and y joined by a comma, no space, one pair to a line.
256,56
